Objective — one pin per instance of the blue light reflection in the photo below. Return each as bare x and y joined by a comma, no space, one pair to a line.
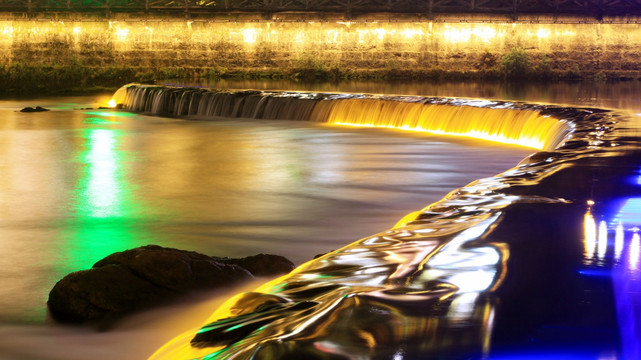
615,251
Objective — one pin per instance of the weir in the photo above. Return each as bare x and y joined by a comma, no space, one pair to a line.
504,122
541,261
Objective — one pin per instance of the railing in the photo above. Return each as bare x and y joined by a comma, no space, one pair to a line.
595,8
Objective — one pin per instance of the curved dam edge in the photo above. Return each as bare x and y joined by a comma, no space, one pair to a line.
504,263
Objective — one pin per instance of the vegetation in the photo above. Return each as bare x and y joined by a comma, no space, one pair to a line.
516,64
23,77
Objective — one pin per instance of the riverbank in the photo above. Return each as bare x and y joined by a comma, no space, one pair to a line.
26,80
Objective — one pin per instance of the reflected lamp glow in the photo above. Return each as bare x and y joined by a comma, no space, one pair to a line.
589,233
624,271
473,281
635,248
118,97
618,241
630,213
101,193
469,268
602,240
102,203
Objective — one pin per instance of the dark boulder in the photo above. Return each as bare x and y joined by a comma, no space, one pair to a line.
145,276
36,109
264,264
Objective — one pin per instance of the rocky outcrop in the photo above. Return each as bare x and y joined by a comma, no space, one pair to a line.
30,109
145,276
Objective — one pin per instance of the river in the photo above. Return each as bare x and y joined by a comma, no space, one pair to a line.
78,184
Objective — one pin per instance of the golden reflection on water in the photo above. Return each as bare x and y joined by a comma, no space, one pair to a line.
589,229
375,301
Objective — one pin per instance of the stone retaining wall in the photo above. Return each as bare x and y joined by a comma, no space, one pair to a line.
461,45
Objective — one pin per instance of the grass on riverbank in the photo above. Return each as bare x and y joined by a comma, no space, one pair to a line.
26,79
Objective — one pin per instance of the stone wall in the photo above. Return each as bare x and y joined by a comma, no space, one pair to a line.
461,45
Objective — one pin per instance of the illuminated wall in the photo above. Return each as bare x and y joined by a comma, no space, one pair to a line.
577,45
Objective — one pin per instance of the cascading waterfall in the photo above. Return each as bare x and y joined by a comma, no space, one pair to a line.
519,124
495,265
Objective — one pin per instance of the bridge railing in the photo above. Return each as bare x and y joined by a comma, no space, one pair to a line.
596,8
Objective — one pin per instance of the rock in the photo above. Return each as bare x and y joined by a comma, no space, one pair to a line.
264,264
142,277
36,109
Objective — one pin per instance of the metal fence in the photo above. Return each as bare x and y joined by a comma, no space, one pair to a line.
595,8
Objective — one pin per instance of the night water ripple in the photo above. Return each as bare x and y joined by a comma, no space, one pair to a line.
509,266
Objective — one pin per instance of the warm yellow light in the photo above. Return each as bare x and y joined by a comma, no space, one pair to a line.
380,33
76,30
8,31
121,33
453,35
524,141
589,228
485,33
112,103
407,219
543,33
509,126
332,36
249,35
410,33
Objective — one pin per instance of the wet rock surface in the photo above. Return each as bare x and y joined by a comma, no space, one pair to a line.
30,109
145,276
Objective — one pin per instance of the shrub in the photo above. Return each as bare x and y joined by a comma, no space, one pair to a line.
515,64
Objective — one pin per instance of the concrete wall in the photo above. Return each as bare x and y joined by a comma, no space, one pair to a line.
462,45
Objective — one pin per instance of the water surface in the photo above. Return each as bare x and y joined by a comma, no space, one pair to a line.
78,185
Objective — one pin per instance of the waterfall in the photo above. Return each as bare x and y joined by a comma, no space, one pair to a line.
504,122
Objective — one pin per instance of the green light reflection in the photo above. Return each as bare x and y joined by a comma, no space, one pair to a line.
98,121
104,208
110,113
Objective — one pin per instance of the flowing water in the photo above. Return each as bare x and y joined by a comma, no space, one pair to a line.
78,185
613,95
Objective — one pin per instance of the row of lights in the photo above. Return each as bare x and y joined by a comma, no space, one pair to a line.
451,34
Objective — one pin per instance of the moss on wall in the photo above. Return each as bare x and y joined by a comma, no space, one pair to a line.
54,55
